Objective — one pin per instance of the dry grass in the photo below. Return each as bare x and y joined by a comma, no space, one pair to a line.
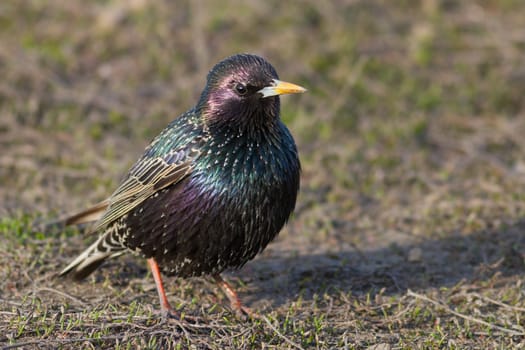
409,226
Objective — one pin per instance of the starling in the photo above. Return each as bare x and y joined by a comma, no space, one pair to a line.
211,191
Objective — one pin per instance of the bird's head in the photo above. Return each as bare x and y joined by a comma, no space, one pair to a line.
243,91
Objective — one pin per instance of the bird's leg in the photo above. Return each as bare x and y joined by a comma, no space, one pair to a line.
165,306
235,302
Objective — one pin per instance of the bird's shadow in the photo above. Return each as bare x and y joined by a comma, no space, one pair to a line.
433,263
275,279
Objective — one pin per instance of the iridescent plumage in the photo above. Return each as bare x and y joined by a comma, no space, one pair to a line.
214,188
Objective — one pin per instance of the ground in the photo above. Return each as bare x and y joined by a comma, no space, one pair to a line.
409,227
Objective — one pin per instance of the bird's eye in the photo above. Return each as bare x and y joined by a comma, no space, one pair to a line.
241,89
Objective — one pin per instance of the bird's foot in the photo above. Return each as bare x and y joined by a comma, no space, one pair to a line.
243,312
167,313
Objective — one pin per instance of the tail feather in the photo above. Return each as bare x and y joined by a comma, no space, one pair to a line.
87,262
89,215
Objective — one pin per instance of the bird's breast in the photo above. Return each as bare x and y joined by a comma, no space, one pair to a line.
237,198
246,168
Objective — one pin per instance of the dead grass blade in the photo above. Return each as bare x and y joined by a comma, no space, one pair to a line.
463,316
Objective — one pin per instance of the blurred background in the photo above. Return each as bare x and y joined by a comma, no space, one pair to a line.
414,109
411,134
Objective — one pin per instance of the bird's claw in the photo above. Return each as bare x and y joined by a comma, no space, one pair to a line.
167,314
244,313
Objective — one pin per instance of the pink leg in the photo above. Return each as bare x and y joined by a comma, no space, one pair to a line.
235,302
165,306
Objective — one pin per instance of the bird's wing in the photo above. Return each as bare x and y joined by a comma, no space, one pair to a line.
148,176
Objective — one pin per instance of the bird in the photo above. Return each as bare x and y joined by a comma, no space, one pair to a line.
210,191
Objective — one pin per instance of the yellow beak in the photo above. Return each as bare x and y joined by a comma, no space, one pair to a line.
279,87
